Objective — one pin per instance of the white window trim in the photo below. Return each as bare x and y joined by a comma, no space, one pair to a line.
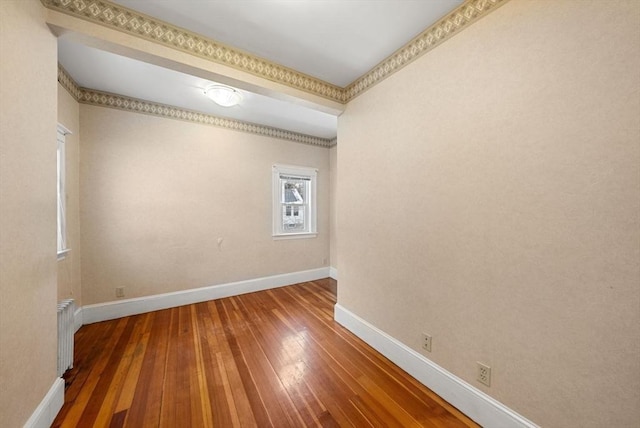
311,173
62,248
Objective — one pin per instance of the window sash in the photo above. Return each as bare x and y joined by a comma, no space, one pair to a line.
294,201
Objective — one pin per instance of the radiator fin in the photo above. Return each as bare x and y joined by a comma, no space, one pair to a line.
66,314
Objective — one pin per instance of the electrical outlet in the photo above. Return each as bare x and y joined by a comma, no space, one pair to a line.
119,291
484,374
426,342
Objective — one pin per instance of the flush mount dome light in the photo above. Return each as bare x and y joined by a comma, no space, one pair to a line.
224,96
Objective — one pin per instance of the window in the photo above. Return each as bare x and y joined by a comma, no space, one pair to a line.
294,202
62,235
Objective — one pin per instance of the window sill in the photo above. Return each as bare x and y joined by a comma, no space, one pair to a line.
294,236
62,254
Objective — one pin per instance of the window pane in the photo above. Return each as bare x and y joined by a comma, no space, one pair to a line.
60,169
293,218
294,191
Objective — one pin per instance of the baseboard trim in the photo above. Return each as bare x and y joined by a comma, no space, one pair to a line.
77,320
333,273
49,407
140,305
474,403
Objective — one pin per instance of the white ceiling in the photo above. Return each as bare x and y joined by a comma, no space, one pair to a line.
333,40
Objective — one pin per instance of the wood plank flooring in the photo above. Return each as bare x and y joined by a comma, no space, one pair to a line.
274,358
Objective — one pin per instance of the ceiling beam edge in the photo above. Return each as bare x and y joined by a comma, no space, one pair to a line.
188,53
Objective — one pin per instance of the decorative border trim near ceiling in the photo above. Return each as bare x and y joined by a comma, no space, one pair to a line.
105,99
131,22
67,82
466,14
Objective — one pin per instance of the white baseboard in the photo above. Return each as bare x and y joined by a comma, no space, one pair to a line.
333,273
140,305
474,403
77,320
49,407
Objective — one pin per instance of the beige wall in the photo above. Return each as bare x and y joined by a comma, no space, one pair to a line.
489,196
156,194
27,210
69,267
333,211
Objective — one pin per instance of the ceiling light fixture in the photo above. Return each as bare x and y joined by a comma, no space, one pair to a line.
224,96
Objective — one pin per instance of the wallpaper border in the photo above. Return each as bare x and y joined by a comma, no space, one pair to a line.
118,17
105,99
128,21
462,17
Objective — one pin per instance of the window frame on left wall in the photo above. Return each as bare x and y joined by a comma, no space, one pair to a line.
61,172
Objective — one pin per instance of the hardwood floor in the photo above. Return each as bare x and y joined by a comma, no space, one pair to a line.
274,358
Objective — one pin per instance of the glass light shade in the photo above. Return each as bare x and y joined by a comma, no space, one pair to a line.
224,96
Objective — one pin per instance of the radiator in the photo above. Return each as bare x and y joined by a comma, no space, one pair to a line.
66,313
